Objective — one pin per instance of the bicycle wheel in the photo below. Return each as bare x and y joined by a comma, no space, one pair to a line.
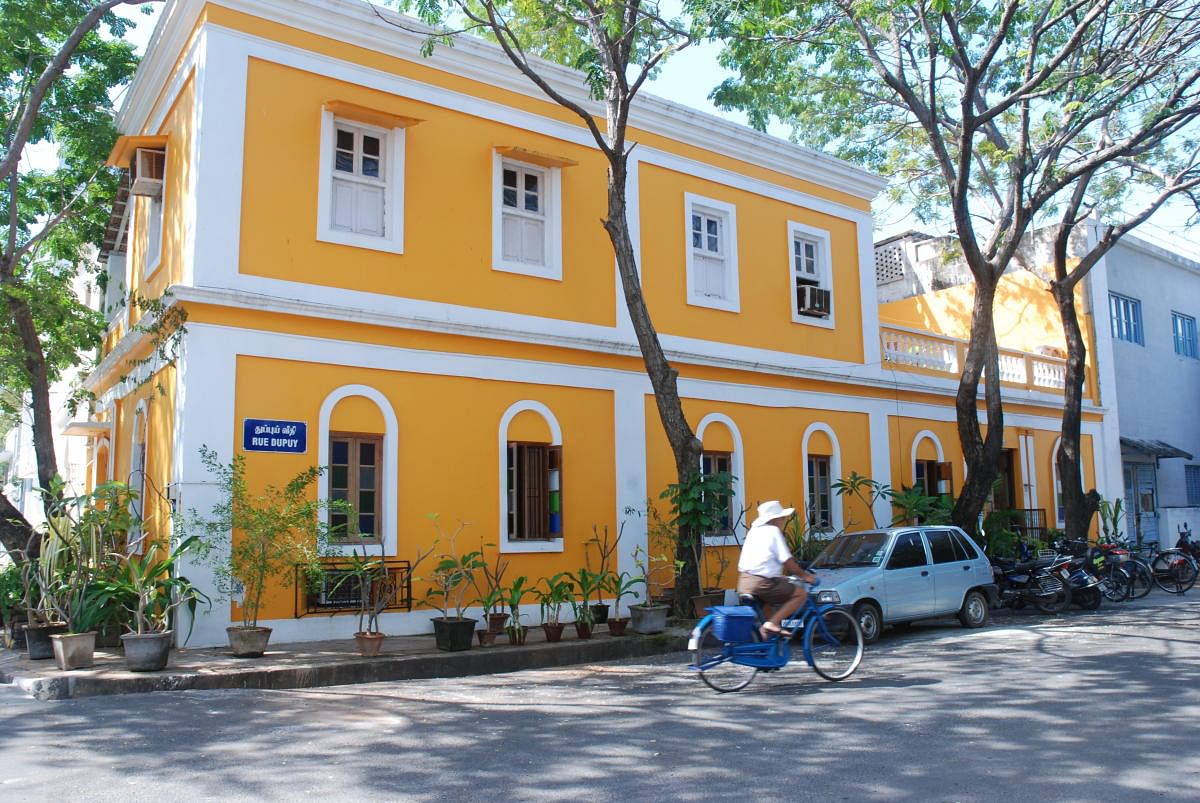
1141,579
715,667
1115,584
834,642
1174,571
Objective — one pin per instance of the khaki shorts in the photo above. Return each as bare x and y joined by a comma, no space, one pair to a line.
771,590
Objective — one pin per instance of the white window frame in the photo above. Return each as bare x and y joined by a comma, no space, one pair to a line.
551,203
728,213
392,150
518,546
801,231
154,226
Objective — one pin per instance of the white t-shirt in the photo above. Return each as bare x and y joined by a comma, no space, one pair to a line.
764,552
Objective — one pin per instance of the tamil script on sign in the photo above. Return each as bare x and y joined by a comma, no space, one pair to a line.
265,435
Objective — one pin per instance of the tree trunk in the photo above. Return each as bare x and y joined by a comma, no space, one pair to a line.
16,534
1079,507
39,391
663,377
982,454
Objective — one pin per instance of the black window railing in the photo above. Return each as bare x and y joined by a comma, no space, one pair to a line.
338,590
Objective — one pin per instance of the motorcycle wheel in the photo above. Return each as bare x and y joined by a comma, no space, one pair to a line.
1056,604
1088,598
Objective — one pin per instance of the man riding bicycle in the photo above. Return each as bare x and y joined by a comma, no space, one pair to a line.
761,566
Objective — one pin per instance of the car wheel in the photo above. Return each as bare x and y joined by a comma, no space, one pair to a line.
870,621
974,610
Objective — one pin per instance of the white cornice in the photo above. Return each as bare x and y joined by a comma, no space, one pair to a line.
359,23
683,351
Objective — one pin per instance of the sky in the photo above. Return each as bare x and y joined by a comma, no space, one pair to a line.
688,78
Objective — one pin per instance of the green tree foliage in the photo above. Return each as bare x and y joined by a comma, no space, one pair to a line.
57,81
999,115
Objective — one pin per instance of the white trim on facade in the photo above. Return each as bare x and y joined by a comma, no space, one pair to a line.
392,239
924,434
389,483
726,214
553,208
508,545
821,237
837,504
738,467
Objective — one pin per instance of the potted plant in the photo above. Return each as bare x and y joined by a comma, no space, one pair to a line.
452,577
256,539
376,590
550,602
148,588
649,616
515,630
621,584
586,583
492,593
605,549
699,508
11,594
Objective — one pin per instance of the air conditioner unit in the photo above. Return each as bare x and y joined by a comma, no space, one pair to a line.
149,167
812,301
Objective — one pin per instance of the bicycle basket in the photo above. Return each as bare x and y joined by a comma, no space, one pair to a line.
733,623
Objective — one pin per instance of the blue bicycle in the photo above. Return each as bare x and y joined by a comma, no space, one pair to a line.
729,651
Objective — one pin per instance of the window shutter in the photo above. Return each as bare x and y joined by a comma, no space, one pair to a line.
368,210
343,205
533,241
554,491
945,479
710,276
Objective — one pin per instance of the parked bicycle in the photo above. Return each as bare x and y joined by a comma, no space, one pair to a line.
729,652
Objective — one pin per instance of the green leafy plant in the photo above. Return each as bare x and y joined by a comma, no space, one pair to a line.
912,505
1000,540
648,567
253,538
492,590
697,507
558,592
585,583
513,596
621,585
453,575
1112,516
865,490
805,542
12,594
606,549
149,588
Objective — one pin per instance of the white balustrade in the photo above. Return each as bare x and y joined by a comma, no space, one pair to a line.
919,351
1049,374
1012,368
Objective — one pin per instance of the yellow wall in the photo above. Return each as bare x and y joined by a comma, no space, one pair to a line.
764,270
159,396
448,442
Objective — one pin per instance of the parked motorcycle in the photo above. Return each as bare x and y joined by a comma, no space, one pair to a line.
1085,569
1044,583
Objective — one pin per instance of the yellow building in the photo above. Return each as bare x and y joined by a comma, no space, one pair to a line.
393,265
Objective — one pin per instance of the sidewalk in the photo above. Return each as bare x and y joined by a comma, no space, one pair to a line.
323,663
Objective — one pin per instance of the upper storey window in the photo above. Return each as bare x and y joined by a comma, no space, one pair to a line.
527,218
711,253
1126,314
361,201
359,180
812,275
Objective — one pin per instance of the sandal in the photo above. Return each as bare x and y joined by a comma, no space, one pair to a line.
771,630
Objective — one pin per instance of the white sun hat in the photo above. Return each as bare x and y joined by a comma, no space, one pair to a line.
769,511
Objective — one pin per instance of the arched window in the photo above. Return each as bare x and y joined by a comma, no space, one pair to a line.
1060,510
930,472
358,442
822,457
723,453
531,479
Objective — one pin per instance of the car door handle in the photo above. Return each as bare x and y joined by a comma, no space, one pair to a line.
925,574
967,568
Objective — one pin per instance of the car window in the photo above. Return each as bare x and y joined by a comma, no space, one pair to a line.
908,552
858,549
942,547
964,546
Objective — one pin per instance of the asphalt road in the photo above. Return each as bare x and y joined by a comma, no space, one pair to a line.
1099,706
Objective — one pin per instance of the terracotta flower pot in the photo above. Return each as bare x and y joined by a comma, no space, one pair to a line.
147,652
486,637
496,622
702,602
248,642
369,644
616,627
74,650
554,632
516,635
583,629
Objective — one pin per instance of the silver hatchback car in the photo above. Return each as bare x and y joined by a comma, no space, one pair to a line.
898,575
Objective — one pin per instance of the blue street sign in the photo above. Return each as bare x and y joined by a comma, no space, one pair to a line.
267,435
